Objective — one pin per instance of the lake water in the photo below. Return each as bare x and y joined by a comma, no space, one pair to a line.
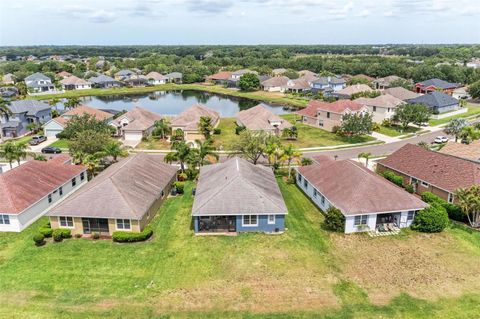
174,102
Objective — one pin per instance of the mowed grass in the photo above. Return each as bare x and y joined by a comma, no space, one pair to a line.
473,109
395,130
302,273
60,143
154,144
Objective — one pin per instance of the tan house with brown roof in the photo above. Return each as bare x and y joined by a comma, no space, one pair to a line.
124,197
189,120
326,115
385,82
136,124
430,171
381,107
368,201
259,118
155,78
75,83
401,93
347,92
275,84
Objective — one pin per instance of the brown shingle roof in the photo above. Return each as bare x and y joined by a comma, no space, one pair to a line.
73,80
401,93
259,118
469,151
386,101
356,190
190,118
156,76
126,189
139,119
237,187
339,107
441,170
84,109
357,88
277,81
222,75
26,184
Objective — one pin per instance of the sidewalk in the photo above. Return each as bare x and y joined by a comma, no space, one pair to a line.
385,138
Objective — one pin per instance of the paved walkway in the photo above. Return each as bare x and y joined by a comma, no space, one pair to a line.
385,138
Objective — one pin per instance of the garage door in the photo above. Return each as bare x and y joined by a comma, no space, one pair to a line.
133,136
51,132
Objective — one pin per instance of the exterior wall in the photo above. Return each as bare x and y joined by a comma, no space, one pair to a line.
52,128
329,123
262,224
381,113
351,228
31,214
447,108
309,191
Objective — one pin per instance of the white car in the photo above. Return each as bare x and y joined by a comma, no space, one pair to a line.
440,139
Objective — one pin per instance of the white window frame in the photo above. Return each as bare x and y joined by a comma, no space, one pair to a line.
451,198
424,184
322,199
3,218
271,222
249,220
50,198
123,224
66,222
363,220
412,213
315,192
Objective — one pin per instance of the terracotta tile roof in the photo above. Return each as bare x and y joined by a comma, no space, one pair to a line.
222,75
126,189
237,187
339,107
441,170
139,119
385,101
156,76
190,118
259,118
469,151
356,190
357,88
26,184
84,109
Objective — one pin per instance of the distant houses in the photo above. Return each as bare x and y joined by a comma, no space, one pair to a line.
220,78
275,84
385,82
104,82
155,78
174,77
349,91
328,84
23,113
259,118
401,93
368,202
39,83
237,196
187,122
435,85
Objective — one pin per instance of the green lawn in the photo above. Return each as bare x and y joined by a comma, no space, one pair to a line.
60,143
304,273
307,136
396,130
473,109
23,139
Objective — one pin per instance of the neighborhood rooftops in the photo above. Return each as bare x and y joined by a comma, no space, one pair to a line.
222,75
126,189
434,99
401,93
81,110
438,83
37,77
356,190
102,78
31,107
139,119
277,81
156,76
73,80
26,184
260,118
468,151
190,118
441,170
385,101
356,88
237,187
339,107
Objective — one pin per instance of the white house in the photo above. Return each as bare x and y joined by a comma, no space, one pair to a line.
28,191
368,202
136,124
75,83
39,83
156,78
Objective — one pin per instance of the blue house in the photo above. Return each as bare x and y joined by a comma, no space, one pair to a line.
24,112
237,196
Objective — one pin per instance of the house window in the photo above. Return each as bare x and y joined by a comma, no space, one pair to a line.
374,109
123,224
450,197
315,192
82,176
328,115
4,220
74,181
49,198
250,220
305,183
163,193
66,221
410,216
360,220
320,123
424,184
388,110
299,177
271,219
322,200
60,190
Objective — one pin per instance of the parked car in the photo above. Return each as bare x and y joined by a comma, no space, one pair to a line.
51,150
440,140
37,139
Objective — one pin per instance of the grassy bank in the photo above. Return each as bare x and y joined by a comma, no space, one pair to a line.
473,109
268,97
304,273
396,130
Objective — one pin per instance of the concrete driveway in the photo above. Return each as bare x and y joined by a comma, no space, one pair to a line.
38,148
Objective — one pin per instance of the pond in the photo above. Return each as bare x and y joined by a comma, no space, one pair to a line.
174,102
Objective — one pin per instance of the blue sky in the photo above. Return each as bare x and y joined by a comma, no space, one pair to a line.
110,22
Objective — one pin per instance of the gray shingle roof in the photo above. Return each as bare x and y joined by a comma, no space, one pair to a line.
31,107
237,187
37,76
101,79
434,99
438,83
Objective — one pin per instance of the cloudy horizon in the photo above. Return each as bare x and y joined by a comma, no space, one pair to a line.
176,22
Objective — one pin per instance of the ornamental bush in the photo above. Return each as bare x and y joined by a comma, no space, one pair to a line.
454,212
409,188
432,219
46,231
39,239
392,177
60,234
217,131
129,237
334,220
180,186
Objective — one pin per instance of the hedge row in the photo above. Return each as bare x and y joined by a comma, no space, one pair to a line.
432,219
130,237
60,234
392,177
454,212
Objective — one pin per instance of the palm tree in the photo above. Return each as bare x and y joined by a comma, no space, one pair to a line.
275,153
291,153
91,162
72,103
455,127
20,151
8,152
366,156
4,112
469,134
115,149
469,201
181,153
205,126
203,150
162,126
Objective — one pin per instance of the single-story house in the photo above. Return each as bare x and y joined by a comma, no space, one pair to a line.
174,77
236,75
275,84
430,171
124,74
434,85
259,118
437,102
125,197
461,93
104,81
328,116
188,121
237,196
64,74
364,198
28,191
381,107
75,83
385,82
136,80
136,124
39,83
8,79
56,125
467,151
220,78
297,85
347,92
24,112
401,93
155,78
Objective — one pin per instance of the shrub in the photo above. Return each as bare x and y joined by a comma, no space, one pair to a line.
334,220
433,219
392,177
61,233
95,235
217,131
239,129
129,237
306,161
39,239
375,127
182,177
57,236
180,186
46,231
409,188
454,212
78,235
